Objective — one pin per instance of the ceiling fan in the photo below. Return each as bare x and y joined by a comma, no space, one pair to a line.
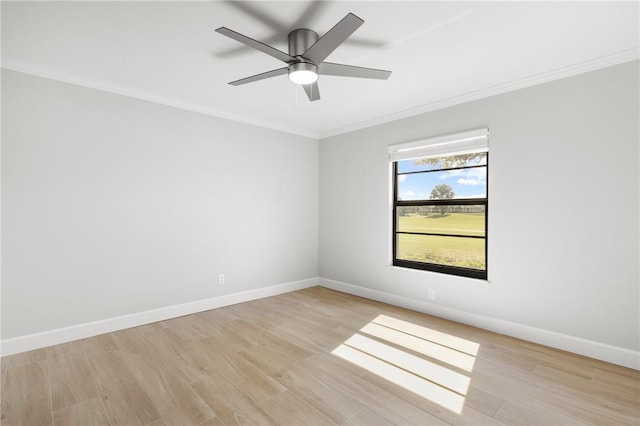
307,52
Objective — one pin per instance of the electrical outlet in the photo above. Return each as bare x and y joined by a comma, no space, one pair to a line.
431,294
221,279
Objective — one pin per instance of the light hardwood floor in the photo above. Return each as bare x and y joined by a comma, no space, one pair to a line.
314,356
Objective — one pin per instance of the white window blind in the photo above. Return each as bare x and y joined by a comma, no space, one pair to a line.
457,143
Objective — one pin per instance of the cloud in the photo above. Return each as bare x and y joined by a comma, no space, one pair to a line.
451,173
467,177
479,174
402,178
463,181
407,193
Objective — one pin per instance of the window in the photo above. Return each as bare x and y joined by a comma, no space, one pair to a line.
440,204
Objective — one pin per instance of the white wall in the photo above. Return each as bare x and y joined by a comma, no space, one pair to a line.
114,206
563,208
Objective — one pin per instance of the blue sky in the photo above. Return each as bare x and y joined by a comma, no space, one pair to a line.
466,183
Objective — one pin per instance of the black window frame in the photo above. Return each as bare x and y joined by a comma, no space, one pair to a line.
435,267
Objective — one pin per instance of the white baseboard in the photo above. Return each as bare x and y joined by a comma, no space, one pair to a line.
597,350
602,351
81,331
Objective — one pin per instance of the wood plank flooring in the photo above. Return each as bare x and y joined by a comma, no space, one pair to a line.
315,357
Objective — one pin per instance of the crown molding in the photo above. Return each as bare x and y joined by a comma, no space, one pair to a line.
557,74
43,72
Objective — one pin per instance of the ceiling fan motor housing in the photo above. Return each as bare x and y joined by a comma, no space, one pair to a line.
300,40
303,71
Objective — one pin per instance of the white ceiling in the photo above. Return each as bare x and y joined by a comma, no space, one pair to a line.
440,53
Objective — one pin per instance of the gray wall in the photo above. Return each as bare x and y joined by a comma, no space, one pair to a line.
563,207
113,206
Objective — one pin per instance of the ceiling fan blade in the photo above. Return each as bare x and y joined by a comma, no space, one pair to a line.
322,48
309,14
312,91
328,68
264,48
260,15
262,76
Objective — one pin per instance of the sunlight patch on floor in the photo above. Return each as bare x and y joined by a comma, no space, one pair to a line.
433,350
438,337
418,374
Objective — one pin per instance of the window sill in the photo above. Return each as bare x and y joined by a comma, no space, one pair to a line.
404,268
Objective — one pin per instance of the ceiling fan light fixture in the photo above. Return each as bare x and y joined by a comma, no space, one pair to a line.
303,73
